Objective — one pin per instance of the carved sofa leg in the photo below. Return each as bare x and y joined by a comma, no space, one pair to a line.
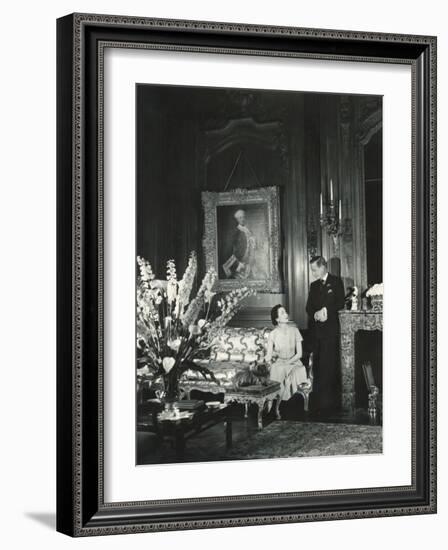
260,413
277,408
306,401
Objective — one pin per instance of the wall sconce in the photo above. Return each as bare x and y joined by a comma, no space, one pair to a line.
331,217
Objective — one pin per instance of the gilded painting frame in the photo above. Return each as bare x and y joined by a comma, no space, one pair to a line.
266,201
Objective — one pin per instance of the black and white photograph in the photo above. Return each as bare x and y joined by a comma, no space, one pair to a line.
259,274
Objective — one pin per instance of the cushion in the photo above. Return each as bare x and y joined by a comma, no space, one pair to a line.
224,373
240,344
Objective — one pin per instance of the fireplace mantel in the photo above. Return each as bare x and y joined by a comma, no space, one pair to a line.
351,322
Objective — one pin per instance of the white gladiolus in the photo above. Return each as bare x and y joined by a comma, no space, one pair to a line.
171,291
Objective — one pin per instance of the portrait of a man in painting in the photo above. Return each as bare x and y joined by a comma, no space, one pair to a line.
243,249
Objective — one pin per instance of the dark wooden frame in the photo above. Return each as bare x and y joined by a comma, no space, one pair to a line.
81,510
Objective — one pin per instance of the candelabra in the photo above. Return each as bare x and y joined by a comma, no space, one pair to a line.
331,217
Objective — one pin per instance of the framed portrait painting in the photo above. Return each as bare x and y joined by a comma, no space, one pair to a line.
234,205
242,237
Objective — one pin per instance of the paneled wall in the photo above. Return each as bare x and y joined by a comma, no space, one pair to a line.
195,139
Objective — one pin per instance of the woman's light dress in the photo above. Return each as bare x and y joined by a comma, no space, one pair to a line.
283,344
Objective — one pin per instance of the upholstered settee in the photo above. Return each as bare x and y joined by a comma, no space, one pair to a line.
234,360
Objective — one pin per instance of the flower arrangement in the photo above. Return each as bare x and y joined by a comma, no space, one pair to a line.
376,290
375,293
172,329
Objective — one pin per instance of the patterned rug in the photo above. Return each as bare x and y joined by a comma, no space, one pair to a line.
284,439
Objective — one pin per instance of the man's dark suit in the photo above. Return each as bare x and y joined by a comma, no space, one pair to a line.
325,340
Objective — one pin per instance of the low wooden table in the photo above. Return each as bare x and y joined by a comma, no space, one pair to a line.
180,430
262,396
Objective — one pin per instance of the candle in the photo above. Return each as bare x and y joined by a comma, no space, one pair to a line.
340,210
321,205
331,190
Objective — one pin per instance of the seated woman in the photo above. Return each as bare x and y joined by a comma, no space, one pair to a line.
285,341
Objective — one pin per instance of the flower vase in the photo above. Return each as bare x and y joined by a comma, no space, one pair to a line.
376,303
171,385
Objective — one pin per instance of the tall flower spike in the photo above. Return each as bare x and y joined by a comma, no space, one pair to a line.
145,272
171,277
171,270
197,303
186,285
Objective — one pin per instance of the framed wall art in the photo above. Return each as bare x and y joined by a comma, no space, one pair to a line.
242,237
246,229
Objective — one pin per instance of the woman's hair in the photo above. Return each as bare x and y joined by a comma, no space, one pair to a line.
274,313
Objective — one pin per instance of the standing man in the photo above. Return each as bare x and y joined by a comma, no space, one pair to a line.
325,299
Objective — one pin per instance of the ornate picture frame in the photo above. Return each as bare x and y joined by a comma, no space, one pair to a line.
261,207
82,509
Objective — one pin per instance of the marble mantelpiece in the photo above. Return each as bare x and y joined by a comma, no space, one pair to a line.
351,322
